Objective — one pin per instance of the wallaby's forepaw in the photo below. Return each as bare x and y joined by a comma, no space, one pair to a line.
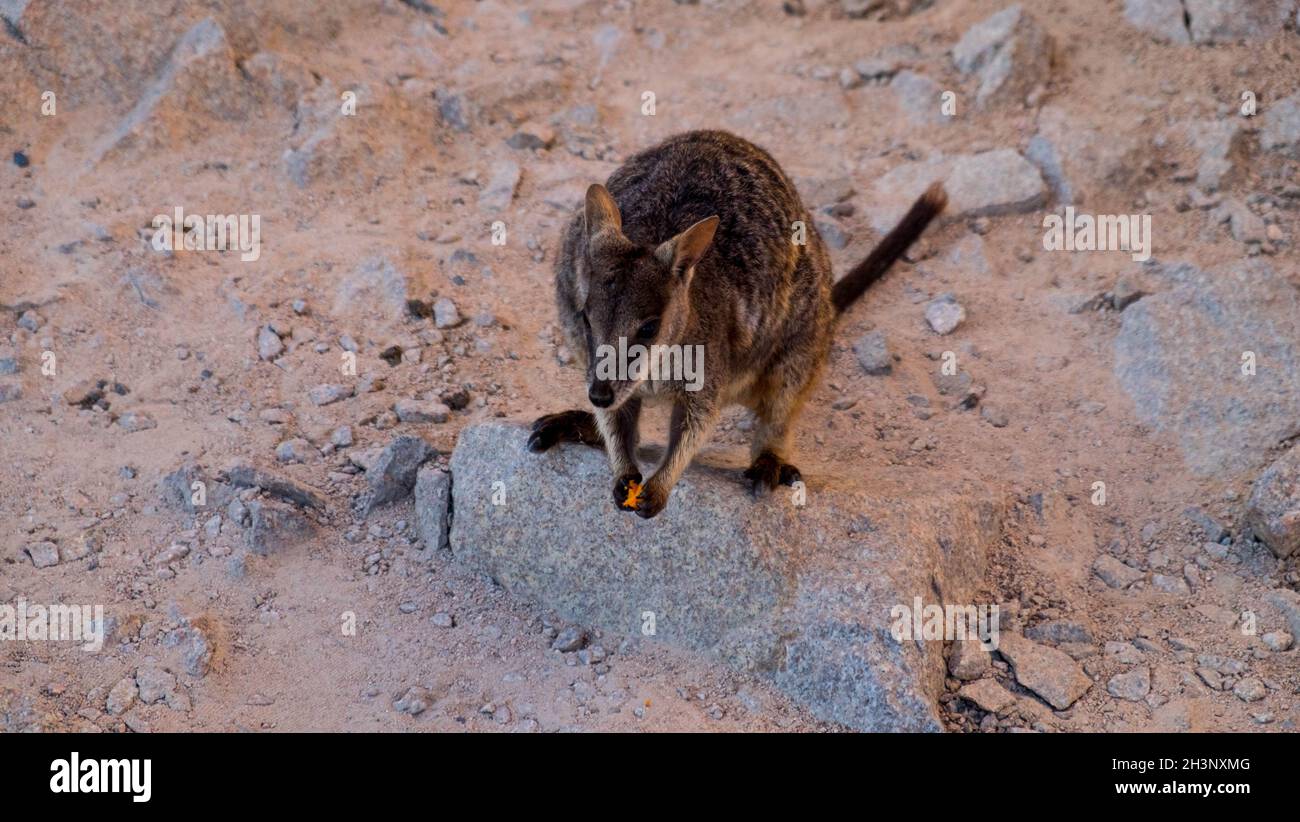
768,471
651,500
566,426
627,491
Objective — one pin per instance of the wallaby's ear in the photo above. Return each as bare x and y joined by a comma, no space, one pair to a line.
685,250
602,211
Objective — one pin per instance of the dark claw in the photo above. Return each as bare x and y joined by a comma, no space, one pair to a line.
790,475
768,471
620,490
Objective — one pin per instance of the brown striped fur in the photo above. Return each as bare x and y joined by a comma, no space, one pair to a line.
696,233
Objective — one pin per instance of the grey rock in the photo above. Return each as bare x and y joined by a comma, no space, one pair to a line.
1201,317
833,232
1212,678
1042,152
1278,641
499,193
919,98
269,345
155,684
1250,689
416,411
135,421
275,527
1211,142
1114,572
720,573
172,553
1009,53
442,619
1050,673
178,489
944,314
375,285
29,320
195,647
433,507
202,58
296,450
453,109
1231,21
245,475
328,393
10,391
532,136
121,697
1133,685
968,660
414,701
1280,126
8,360
1164,19
872,351
1058,631
570,639
1211,527
988,695
986,184
43,554
1170,584
1222,664
1125,293
1123,652
341,437
1273,509
392,475
1246,226
995,416
445,314
1288,603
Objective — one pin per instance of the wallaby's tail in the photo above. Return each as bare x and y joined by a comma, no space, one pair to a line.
929,206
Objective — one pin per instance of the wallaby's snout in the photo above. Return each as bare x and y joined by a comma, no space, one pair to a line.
601,394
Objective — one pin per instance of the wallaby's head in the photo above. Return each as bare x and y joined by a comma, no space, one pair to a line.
637,293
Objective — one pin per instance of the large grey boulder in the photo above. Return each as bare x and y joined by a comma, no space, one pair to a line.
1180,355
802,595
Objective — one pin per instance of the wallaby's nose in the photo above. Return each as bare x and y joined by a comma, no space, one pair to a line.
601,394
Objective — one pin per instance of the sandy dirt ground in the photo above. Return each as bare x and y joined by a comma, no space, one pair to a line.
361,213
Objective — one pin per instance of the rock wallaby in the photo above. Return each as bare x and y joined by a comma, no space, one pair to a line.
695,243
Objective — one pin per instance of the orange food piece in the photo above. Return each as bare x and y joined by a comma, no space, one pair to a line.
634,489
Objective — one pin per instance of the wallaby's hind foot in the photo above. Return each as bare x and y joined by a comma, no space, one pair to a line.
769,471
566,426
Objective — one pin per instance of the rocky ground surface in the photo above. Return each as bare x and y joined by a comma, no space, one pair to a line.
222,452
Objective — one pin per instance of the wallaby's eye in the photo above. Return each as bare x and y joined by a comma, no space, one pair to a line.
648,330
